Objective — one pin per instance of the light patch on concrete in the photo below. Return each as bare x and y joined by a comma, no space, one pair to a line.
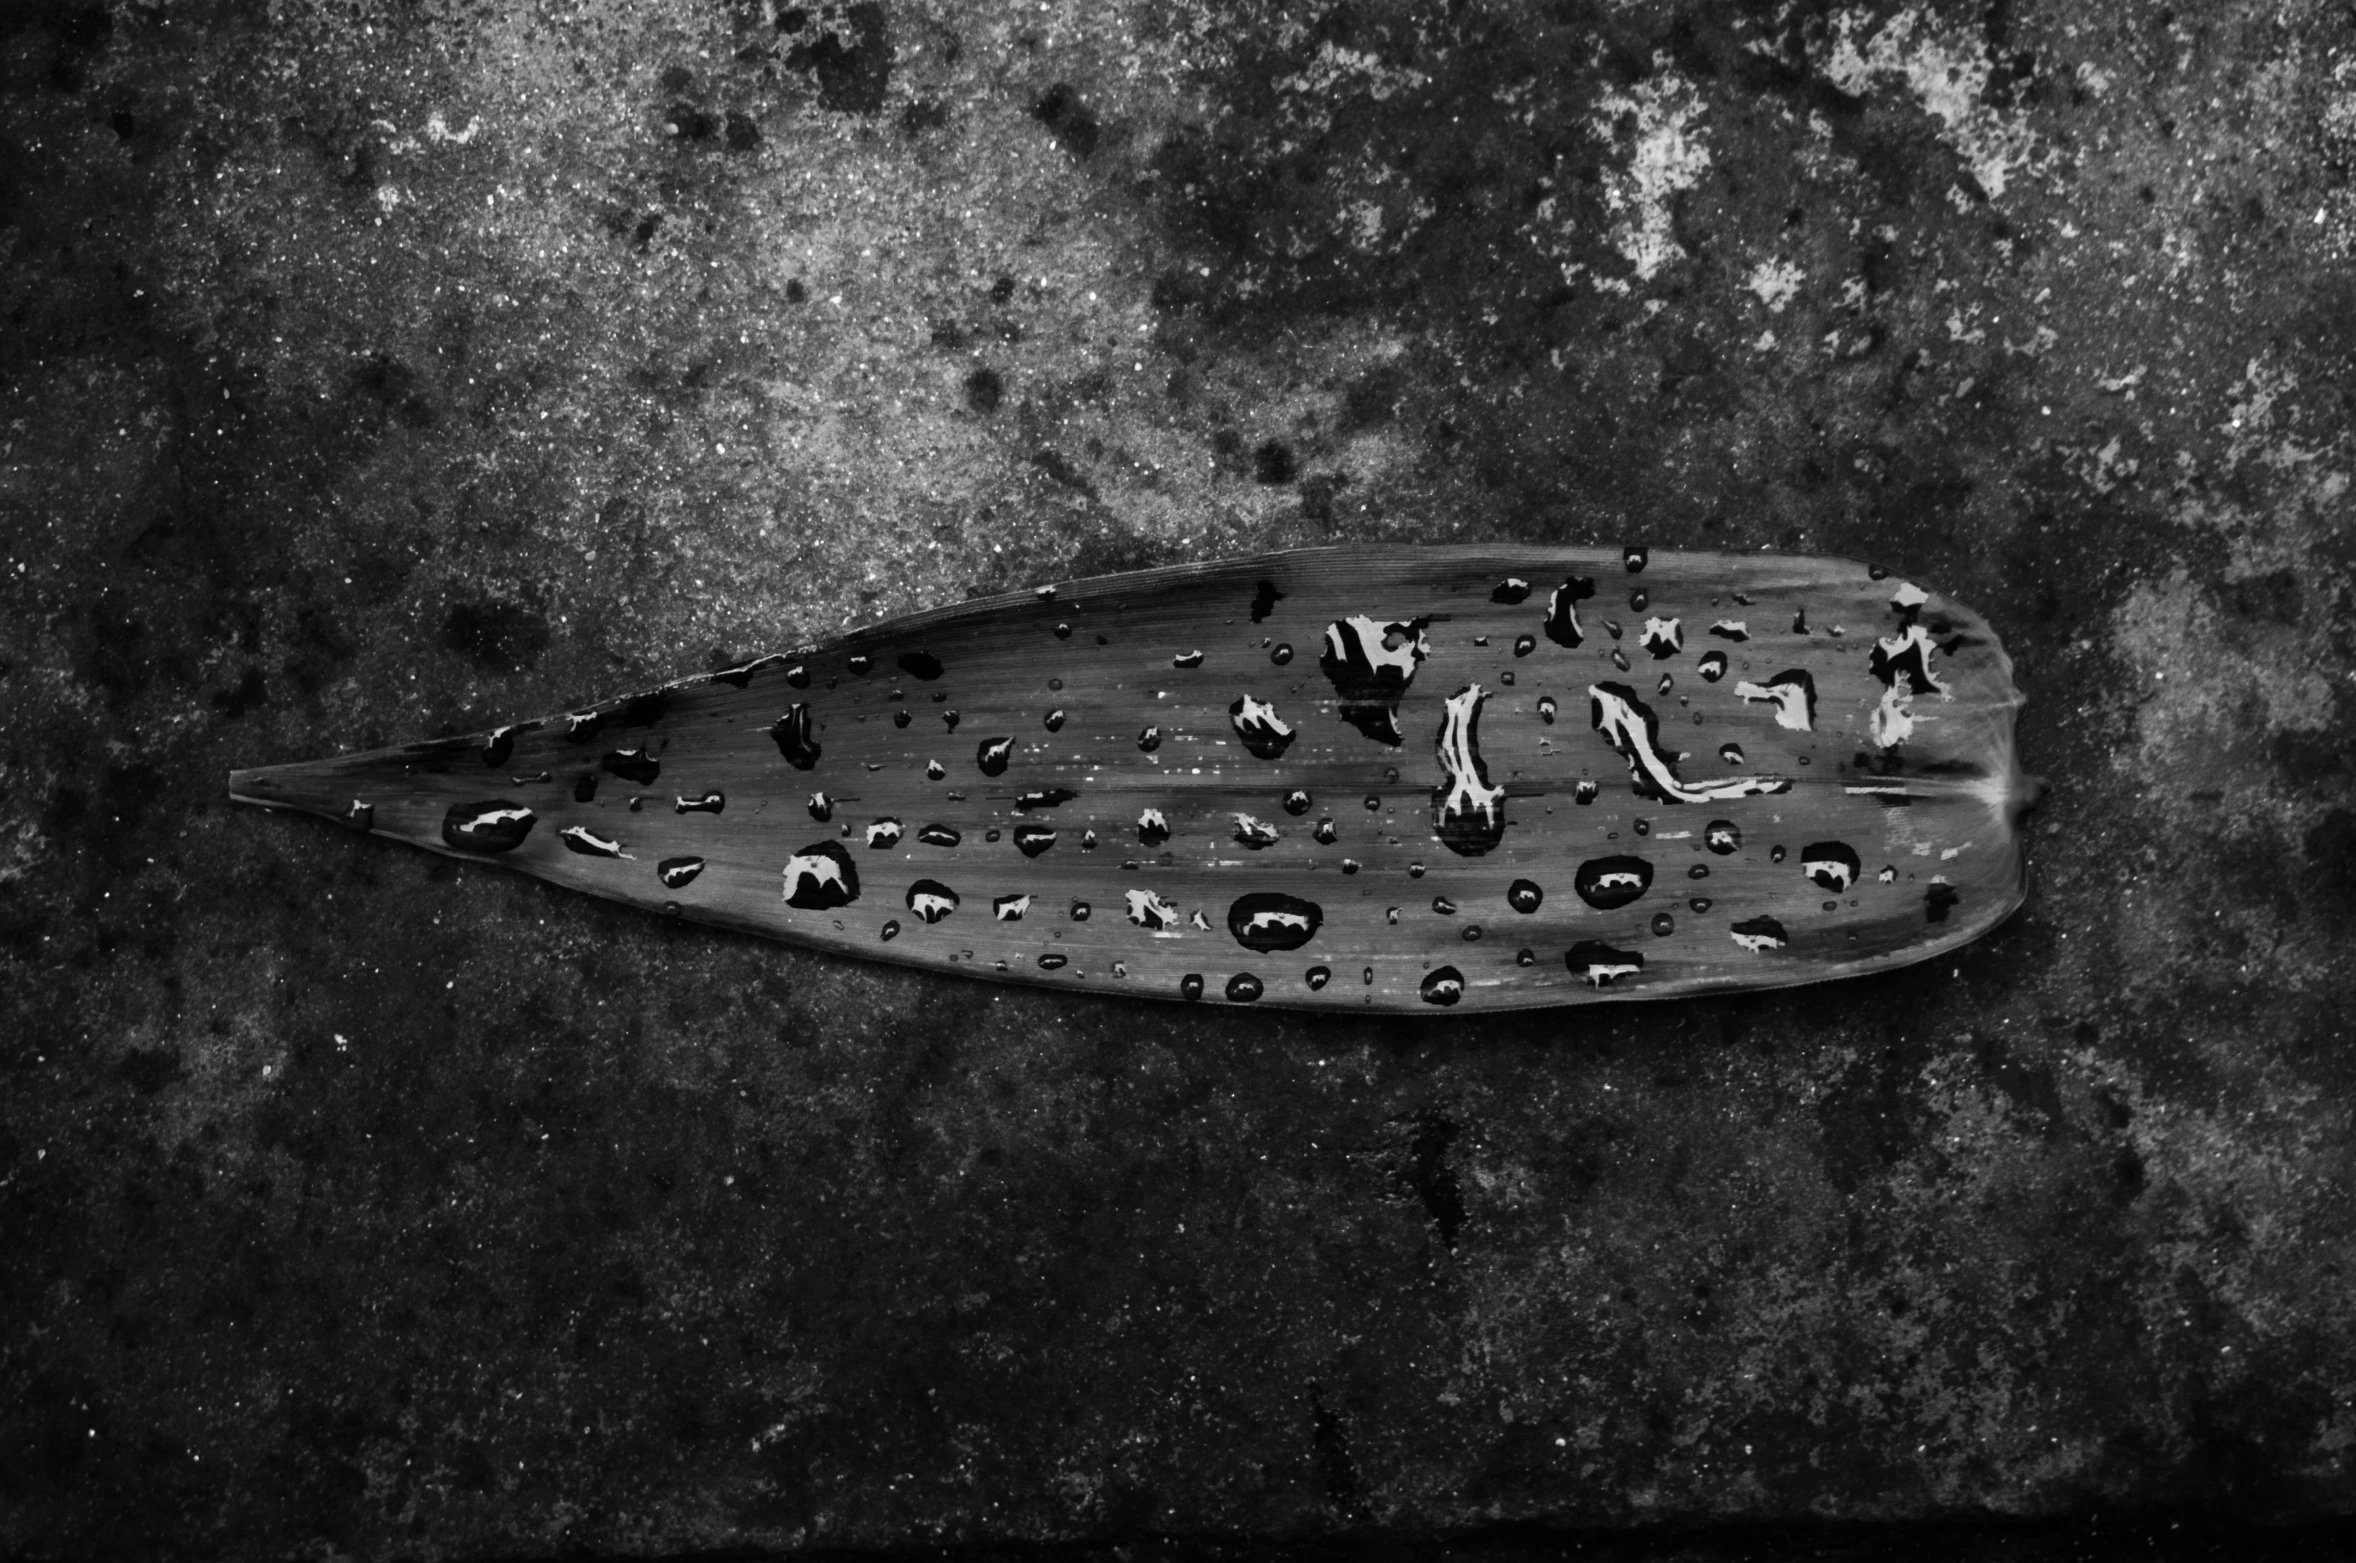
1776,282
1667,155
1946,67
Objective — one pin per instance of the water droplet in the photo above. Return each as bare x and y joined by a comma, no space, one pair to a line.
1584,792
1063,632
901,718
1472,933
1663,925
1080,911
1296,802
935,769
1190,986
860,664
821,807
891,929
1055,721
1775,855
1443,985
798,676
1390,773
1644,827
1635,557
1349,865
585,788
1525,957
1282,654
1700,903
1317,977
360,816
1054,962
1619,659
1392,914
1546,709
1698,871
1324,833
1243,988
1639,600
1373,803
1150,739
1524,896
677,873
1523,645
1415,871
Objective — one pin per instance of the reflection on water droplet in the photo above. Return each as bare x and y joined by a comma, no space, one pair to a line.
1190,986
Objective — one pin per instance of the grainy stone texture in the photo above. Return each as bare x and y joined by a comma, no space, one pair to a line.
369,372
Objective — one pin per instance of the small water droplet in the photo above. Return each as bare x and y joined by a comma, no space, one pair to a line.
1663,925
1296,802
1349,865
1243,988
950,717
1317,977
1080,911
1775,855
1390,773
1051,961
1063,632
1639,600
1324,832
1700,903
1525,957
1442,905
1546,709
935,769
1415,871
1282,654
1523,645
1472,933
1644,827
1190,986
1392,914
1055,721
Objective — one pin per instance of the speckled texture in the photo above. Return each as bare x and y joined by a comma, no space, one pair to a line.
373,372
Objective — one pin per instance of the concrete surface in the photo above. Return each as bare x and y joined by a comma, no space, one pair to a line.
373,371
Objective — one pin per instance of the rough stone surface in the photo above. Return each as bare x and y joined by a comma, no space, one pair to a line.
372,371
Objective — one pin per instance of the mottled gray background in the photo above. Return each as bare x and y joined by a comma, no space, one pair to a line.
371,371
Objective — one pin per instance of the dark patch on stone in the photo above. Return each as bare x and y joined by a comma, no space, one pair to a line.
148,1070
1430,1179
1068,119
984,391
1273,463
1938,901
852,60
689,124
249,692
497,635
742,134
